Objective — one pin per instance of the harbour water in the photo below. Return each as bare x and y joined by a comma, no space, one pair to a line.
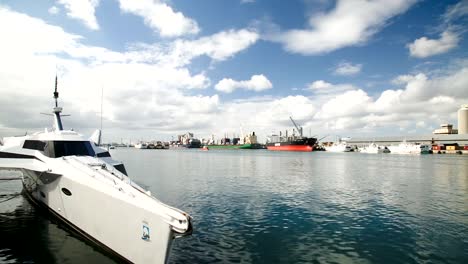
258,206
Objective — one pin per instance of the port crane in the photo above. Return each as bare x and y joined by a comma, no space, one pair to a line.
298,129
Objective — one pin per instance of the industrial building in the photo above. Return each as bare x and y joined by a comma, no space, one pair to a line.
463,119
446,135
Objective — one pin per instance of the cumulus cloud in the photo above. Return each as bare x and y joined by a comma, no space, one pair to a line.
32,50
348,69
349,103
349,23
53,10
323,87
161,17
256,83
153,78
83,11
164,91
424,47
419,97
219,46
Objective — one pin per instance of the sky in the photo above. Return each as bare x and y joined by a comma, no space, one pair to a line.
157,68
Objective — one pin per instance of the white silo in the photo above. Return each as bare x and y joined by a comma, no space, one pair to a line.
463,119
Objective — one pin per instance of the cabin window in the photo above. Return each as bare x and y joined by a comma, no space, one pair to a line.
121,168
103,154
34,144
56,149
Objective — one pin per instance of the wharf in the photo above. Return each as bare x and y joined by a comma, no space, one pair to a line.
433,139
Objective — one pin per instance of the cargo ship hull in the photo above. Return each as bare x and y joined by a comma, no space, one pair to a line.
303,148
305,145
243,146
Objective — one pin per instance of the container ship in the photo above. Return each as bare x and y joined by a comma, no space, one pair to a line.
249,142
291,143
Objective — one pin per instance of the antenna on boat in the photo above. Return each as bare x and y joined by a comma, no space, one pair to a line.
102,98
57,110
56,94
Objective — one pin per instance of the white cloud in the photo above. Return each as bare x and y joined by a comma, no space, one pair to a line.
53,10
349,23
256,83
32,50
161,17
458,10
247,1
348,69
320,84
420,97
151,79
219,46
323,87
346,104
424,47
82,10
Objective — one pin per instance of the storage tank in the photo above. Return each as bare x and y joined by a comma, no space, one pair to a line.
463,119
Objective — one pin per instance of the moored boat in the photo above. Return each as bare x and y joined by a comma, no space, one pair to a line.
339,147
373,148
80,184
141,145
410,148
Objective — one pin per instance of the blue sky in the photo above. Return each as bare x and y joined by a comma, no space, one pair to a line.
355,67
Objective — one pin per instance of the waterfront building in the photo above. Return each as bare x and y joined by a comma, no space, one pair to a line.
445,129
463,119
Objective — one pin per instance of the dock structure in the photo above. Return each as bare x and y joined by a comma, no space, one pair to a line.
432,139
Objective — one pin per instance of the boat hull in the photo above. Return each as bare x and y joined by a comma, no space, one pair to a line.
299,144
285,147
243,146
74,229
106,214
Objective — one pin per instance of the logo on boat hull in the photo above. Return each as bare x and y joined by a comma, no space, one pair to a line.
146,233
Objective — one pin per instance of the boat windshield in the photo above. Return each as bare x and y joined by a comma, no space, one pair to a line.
56,149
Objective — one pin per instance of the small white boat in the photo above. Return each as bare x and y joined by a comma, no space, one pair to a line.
339,147
83,187
374,149
141,145
410,148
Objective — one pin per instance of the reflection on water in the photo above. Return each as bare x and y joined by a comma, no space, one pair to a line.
28,236
279,207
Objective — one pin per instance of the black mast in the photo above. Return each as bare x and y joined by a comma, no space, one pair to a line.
57,110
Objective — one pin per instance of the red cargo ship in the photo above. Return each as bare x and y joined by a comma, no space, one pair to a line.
293,143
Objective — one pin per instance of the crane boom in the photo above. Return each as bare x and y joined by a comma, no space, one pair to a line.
298,129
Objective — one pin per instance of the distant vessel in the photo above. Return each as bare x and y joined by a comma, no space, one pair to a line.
410,148
79,184
339,147
292,143
141,145
373,148
189,141
193,143
250,142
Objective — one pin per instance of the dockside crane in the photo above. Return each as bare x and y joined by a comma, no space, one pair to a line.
298,129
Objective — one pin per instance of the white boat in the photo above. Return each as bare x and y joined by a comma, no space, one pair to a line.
81,185
141,145
410,148
339,147
374,149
